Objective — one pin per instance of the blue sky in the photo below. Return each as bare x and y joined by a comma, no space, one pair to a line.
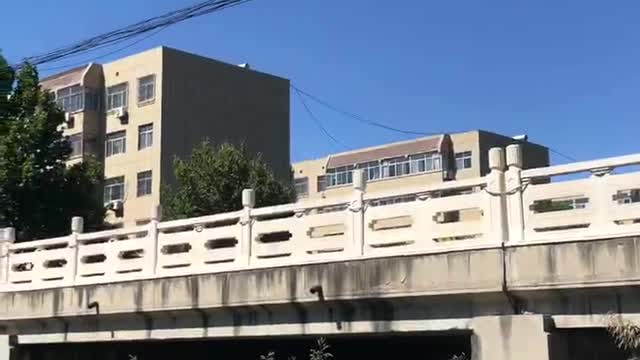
567,73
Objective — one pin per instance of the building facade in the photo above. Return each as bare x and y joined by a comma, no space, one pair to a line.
136,114
408,164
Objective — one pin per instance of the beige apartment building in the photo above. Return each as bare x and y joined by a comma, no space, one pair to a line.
137,113
408,164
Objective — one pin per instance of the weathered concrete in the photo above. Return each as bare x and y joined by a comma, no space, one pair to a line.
421,275
572,284
522,337
594,263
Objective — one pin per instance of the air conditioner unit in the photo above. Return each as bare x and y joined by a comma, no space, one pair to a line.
122,114
115,205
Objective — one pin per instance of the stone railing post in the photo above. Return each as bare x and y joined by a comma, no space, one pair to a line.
496,189
7,238
357,208
514,187
601,201
77,227
156,214
246,242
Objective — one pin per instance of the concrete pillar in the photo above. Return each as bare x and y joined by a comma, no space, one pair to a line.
497,215
7,237
246,242
511,337
357,211
515,207
156,215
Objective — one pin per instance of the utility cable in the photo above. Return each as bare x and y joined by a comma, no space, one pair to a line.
317,121
359,118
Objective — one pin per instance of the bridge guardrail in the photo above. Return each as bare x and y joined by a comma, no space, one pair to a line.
509,206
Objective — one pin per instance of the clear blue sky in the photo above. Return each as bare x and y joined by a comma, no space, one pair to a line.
567,73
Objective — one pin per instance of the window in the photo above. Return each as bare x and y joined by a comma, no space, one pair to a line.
302,187
145,136
116,143
75,141
463,160
114,189
144,183
322,183
71,99
146,88
117,96
373,170
340,176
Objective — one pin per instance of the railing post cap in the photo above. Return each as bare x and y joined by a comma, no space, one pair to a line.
359,180
156,212
8,235
514,156
496,158
77,224
248,198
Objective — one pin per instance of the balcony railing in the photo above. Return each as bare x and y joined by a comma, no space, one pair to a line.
508,207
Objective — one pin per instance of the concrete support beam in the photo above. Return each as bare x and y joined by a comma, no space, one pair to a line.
522,337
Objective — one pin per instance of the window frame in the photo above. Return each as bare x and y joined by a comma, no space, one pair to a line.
302,182
125,96
71,139
78,96
465,158
112,138
148,183
146,132
145,86
113,182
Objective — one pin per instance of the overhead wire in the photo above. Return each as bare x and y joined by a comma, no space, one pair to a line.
123,34
136,29
359,118
104,55
317,121
387,127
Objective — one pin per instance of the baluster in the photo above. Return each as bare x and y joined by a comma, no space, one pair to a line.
496,188
601,202
77,227
156,213
6,240
357,208
245,241
514,188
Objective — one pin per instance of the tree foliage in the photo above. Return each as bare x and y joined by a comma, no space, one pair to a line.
626,335
39,193
211,181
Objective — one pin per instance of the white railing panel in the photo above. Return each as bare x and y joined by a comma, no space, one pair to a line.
420,225
132,256
188,249
602,215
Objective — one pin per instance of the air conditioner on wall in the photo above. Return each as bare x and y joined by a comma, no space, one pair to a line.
115,205
122,114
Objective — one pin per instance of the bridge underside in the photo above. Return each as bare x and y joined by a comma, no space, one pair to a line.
474,292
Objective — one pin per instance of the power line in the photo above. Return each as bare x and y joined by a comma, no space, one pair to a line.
315,119
106,54
359,118
387,127
570,158
128,32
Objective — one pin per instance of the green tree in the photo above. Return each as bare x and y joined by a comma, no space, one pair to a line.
39,193
211,181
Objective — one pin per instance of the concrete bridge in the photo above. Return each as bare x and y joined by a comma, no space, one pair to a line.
539,261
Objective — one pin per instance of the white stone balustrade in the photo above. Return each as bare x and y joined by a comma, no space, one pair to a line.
508,207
